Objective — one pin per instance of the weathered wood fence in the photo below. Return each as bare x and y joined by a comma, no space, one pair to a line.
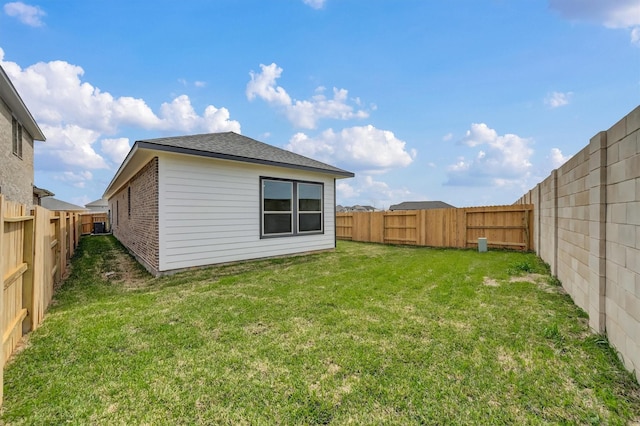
503,226
35,246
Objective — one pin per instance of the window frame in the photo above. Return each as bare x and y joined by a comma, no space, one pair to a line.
16,137
295,209
264,213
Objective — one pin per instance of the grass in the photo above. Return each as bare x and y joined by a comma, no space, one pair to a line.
368,334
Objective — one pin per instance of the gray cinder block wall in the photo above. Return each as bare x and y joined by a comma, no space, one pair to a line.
587,227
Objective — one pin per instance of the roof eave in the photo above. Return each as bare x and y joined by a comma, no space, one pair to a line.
181,150
18,107
110,188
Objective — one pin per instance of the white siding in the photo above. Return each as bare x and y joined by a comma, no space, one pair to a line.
209,212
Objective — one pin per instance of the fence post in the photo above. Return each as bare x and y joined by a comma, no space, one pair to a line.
598,230
58,250
28,277
2,324
63,243
537,216
554,173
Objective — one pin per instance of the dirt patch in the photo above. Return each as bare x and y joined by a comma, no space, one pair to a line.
121,268
490,282
540,280
528,278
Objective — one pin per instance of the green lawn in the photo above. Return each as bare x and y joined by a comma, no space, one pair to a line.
368,334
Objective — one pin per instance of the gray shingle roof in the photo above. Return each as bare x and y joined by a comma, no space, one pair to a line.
232,146
97,203
54,204
421,205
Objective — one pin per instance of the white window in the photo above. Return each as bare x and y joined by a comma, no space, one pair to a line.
291,207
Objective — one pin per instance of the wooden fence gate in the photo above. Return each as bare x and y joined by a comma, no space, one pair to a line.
503,226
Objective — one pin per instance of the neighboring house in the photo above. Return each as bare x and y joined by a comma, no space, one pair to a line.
18,130
98,206
356,208
197,200
54,204
421,205
39,194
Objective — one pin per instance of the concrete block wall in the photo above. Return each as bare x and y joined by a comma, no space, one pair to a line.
573,212
135,225
622,265
587,227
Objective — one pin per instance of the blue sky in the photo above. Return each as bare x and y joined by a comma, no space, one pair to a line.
471,102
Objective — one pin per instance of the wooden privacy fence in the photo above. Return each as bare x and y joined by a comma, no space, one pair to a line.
35,246
502,226
94,223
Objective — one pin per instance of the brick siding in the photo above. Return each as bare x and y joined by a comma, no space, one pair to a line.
16,174
136,225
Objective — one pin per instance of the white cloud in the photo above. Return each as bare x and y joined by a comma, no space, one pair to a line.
503,160
56,94
301,113
70,145
360,148
635,36
27,14
610,13
316,4
185,83
345,190
263,85
115,149
78,180
479,134
180,115
557,99
556,158
366,190
82,124
447,137
73,115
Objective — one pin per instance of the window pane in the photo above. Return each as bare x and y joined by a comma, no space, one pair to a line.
277,196
310,222
14,136
19,140
277,223
309,197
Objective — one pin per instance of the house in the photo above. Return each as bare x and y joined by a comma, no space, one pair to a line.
98,206
188,201
18,131
54,204
39,194
421,205
356,208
